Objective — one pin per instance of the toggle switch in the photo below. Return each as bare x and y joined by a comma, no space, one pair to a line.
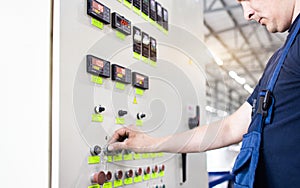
147,170
119,174
155,169
129,173
138,171
140,115
122,113
162,168
99,109
108,176
95,150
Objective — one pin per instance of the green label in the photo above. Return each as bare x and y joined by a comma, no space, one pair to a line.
127,4
152,63
161,174
96,79
139,122
153,155
154,175
137,179
120,1
145,155
120,35
165,32
144,16
159,27
145,59
161,154
136,55
107,185
120,121
94,186
97,118
120,86
93,159
136,10
97,23
147,177
128,181
137,156
153,22
128,157
117,157
139,91
118,183
109,159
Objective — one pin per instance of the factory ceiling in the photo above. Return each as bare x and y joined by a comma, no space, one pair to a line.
241,49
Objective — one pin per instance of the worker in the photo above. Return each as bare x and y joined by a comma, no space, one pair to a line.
278,155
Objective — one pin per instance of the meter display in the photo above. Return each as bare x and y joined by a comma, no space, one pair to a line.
140,81
137,40
165,19
98,11
145,44
120,74
97,66
158,13
120,23
137,4
152,10
145,7
153,49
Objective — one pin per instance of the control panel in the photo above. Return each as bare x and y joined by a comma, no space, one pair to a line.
127,67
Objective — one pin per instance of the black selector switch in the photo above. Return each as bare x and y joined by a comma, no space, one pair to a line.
140,115
122,113
99,109
96,150
194,121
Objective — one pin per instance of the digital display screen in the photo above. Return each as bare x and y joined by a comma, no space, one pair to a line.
145,44
152,6
137,4
165,19
98,11
137,40
121,74
140,80
145,7
153,48
97,7
158,13
121,24
97,66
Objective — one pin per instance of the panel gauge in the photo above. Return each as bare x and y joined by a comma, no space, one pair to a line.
120,74
98,11
140,81
97,66
120,23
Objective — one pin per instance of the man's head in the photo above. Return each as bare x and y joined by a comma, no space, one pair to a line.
276,15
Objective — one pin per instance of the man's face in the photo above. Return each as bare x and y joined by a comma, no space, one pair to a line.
276,15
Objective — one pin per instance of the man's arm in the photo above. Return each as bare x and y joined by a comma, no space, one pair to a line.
222,133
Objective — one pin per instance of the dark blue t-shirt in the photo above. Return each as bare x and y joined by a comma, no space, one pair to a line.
279,163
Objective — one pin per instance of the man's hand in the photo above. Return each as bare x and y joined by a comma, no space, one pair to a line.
130,138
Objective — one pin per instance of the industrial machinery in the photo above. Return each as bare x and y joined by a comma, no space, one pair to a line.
127,63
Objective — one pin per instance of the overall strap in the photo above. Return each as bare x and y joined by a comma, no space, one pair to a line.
266,100
274,77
